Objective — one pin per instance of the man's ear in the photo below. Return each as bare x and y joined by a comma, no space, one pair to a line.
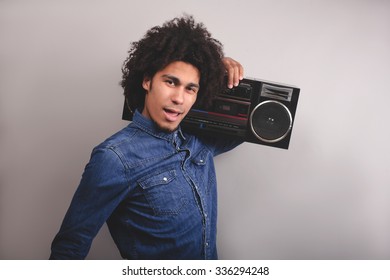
146,84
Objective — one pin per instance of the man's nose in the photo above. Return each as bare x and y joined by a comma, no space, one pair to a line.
178,95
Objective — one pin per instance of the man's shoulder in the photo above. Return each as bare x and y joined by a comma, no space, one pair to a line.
217,144
120,138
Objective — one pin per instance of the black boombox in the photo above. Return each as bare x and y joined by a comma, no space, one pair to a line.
255,111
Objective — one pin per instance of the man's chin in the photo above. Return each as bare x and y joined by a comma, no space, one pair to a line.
167,128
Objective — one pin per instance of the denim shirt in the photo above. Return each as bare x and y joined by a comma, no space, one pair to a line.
157,191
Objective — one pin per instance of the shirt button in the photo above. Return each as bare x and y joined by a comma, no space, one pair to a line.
165,179
201,161
207,244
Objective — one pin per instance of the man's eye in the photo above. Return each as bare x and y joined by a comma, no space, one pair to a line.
193,89
170,82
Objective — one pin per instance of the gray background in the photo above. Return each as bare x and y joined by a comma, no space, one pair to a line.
327,197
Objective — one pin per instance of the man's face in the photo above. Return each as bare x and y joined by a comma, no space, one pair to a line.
170,94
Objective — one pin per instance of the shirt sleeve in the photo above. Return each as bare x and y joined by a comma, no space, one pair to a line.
102,187
220,144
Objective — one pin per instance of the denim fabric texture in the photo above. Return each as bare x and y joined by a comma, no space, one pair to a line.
157,191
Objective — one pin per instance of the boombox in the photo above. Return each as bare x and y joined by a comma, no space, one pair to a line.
255,111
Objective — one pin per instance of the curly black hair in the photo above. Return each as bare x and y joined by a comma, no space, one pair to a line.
181,39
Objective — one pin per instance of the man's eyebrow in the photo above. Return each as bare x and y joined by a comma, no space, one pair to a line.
176,80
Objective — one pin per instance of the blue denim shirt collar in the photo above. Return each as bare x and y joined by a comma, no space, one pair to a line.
151,128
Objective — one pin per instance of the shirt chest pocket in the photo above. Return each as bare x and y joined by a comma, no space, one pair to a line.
203,168
163,192
201,158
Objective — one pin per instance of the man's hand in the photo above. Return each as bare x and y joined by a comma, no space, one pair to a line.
235,71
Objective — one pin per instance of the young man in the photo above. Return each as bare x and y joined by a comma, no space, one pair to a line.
153,183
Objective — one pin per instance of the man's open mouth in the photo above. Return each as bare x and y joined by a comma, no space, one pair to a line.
172,114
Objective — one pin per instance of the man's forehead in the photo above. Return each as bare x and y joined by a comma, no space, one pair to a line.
182,71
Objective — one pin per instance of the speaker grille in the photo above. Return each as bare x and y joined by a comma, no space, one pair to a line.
271,121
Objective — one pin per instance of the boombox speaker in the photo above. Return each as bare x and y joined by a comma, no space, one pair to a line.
255,111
